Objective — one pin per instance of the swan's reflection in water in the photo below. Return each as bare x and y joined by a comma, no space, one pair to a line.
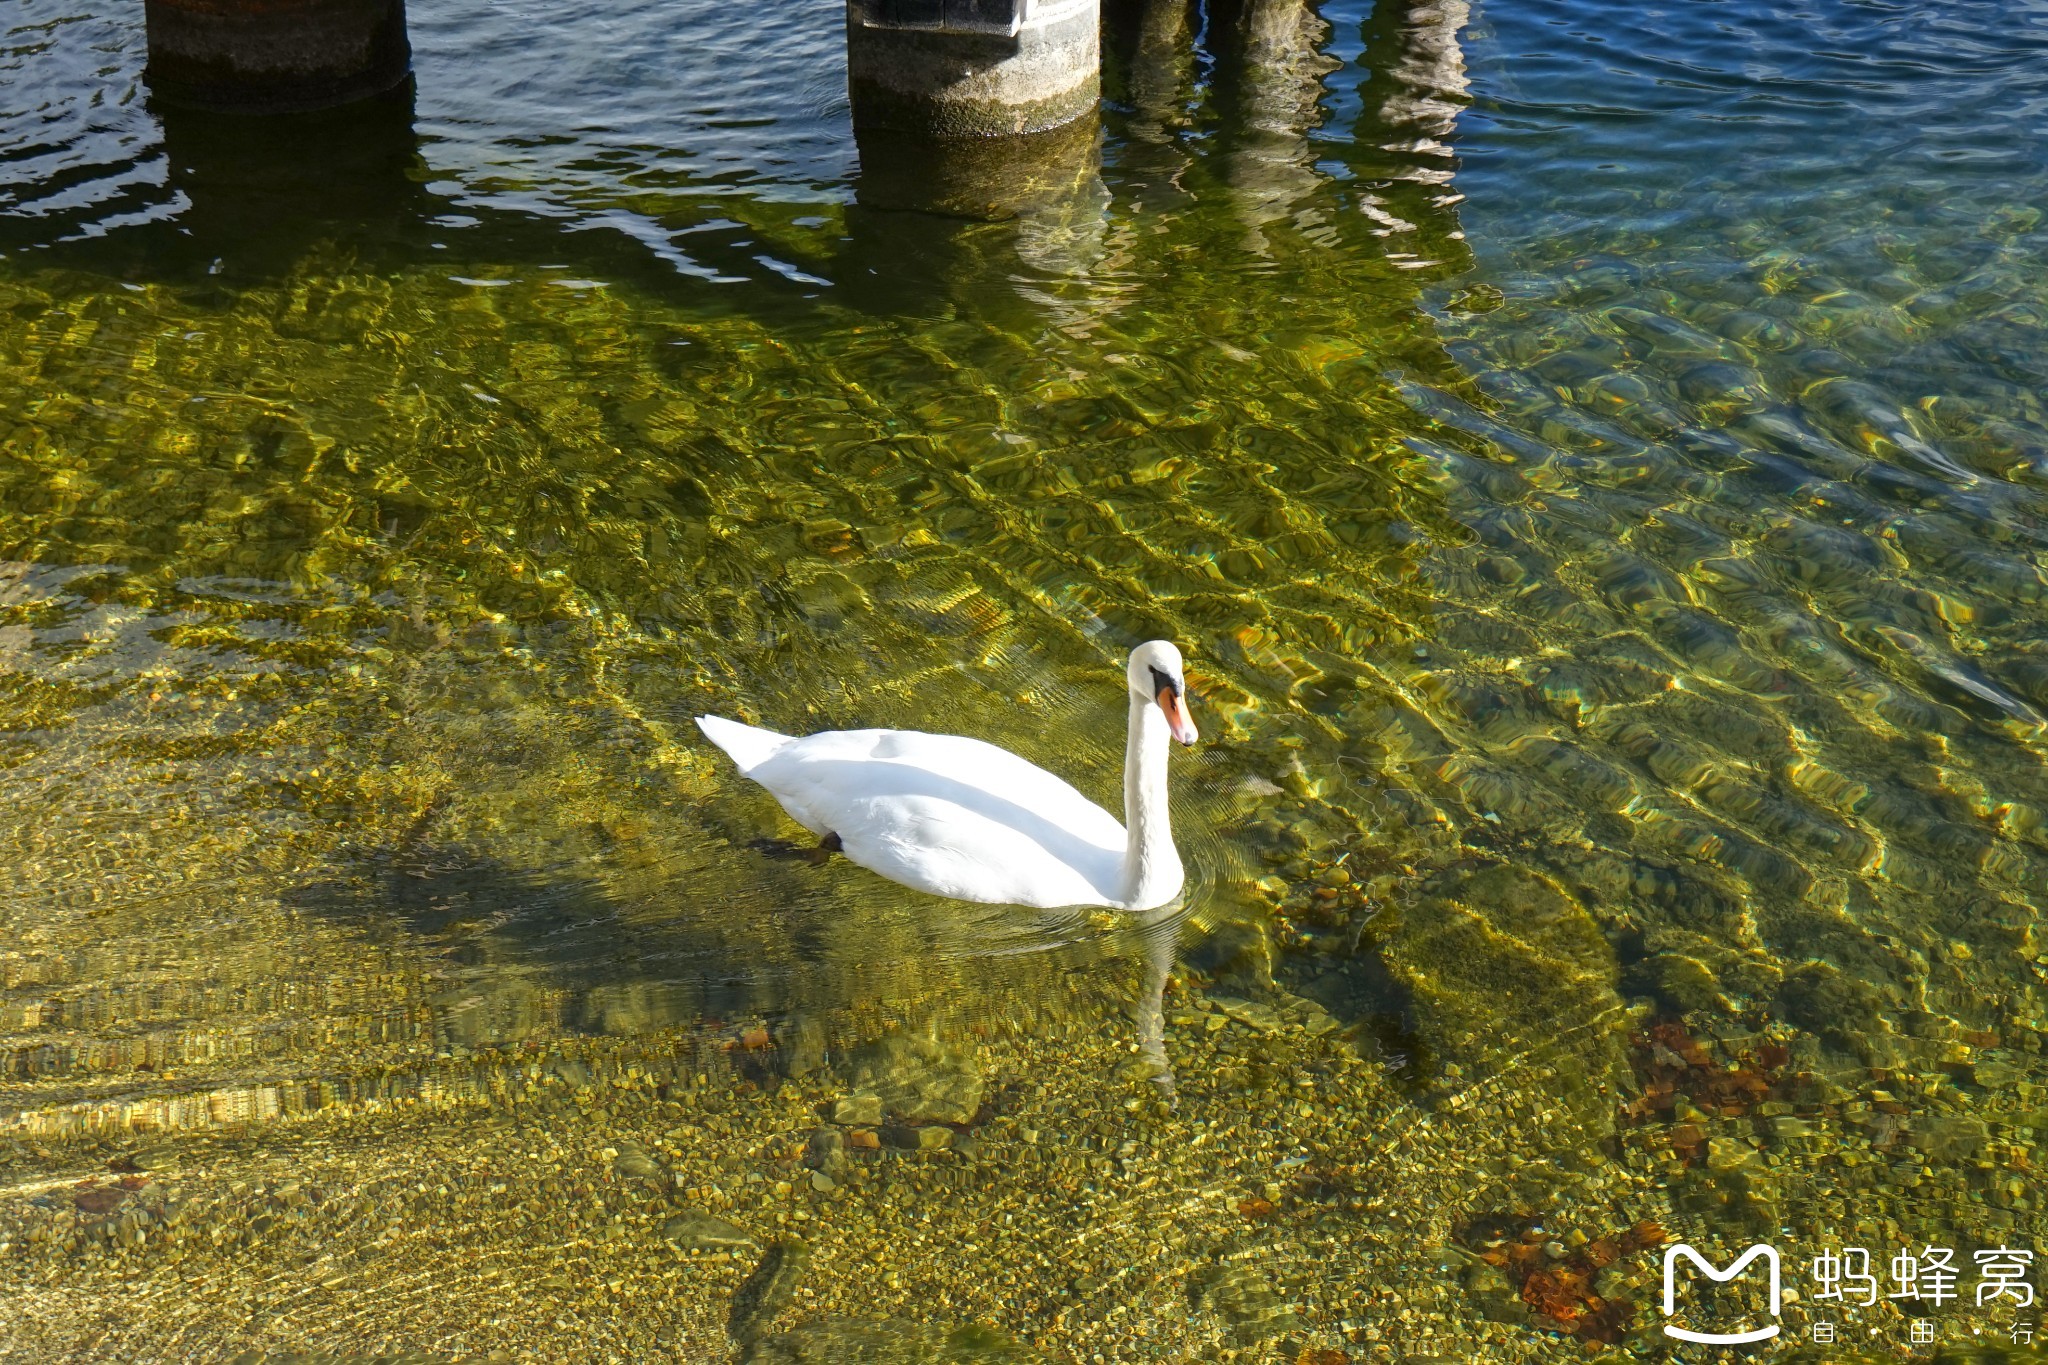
1158,932
1151,937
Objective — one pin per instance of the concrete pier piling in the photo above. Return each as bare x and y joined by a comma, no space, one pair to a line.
264,56
972,68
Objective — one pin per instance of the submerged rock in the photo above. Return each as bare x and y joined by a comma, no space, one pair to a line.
1237,949
573,1072
1250,1013
860,1111
801,1039
1249,1306
696,1230
1820,997
635,1163
927,1138
920,1079
1682,983
768,1290
826,1152
1506,971
1495,1298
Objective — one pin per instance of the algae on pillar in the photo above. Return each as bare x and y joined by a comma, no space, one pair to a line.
972,68
263,56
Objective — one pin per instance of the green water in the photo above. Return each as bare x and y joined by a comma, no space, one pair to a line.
1594,463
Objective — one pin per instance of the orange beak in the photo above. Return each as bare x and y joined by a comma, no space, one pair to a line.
1177,716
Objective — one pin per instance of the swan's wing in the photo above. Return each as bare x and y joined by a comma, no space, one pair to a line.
949,815
947,849
835,766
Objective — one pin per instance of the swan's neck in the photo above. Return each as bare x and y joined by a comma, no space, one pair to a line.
1152,872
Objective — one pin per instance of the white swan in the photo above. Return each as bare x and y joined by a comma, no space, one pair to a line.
961,818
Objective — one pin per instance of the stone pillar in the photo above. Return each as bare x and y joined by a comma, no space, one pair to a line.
971,68
264,56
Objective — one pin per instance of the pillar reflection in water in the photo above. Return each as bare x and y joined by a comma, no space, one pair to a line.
261,191
1270,58
1045,186
984,179
935,220
1150,66
979,109
1411,102
1152,44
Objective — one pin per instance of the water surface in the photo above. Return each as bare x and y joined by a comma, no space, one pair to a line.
1593,457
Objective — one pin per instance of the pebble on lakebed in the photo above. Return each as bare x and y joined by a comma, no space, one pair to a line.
1300,1194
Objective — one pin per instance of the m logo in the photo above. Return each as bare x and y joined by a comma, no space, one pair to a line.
1671,1255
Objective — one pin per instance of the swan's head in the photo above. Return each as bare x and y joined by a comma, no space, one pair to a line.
1156,676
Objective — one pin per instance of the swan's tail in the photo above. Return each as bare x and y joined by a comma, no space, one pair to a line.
746,745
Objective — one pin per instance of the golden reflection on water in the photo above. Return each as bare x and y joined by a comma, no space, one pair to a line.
1645,626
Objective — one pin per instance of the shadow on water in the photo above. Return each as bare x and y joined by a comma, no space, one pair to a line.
525,955
261,191
931,217
247,197
250,201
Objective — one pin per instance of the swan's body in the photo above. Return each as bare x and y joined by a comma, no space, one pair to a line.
961,818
